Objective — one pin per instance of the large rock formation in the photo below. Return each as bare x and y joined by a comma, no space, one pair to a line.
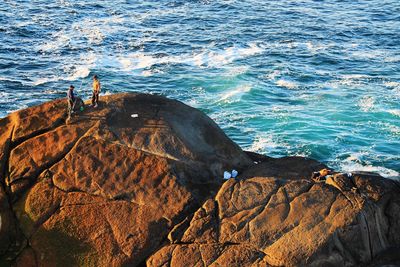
274,221
109,188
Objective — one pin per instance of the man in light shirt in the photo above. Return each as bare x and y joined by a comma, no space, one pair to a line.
96,91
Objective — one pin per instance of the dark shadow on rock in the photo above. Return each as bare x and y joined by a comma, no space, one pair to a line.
158,232
389,257
59,249
286,168
257,158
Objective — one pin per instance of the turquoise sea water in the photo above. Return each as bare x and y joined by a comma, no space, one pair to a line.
311,78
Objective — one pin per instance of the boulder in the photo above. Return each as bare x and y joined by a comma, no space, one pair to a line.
138,181
105,187
274,221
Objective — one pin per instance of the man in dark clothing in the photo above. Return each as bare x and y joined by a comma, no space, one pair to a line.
71,100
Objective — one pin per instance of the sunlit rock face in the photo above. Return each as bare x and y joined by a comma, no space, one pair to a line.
275,221
105,187
138,181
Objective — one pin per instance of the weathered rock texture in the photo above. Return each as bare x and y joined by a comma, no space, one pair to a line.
110,189
274,221
105,188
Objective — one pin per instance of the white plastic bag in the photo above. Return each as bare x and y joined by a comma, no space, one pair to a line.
227,175
234,173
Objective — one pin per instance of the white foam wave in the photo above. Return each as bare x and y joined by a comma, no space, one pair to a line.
58,40
279,112
392,129
70,71
93,30
287,84
41,81
5,98
366,103
65,3
395,112
355,76
262,144
222,57
140,60
273,75
147,73
369,54
303,154
314,48
352,164
391,84
217,58
79,73
235,94
386,56
236,71
52,91
278,109
323,73
96,29
392,59
350,80
192,102
94,35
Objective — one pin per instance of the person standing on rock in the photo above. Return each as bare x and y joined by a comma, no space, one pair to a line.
96,91
71,100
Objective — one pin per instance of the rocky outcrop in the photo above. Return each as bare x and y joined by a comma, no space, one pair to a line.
106,187
269,221
138,181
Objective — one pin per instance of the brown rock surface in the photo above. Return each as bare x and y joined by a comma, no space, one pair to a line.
33,156
105,188
287,222
111,189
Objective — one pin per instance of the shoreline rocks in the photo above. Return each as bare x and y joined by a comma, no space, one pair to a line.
109,188
286,222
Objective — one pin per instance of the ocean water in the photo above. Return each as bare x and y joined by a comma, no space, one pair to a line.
313,78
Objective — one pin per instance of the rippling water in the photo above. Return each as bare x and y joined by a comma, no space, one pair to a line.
311,78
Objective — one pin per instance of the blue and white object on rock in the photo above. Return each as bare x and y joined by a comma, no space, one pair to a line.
234,173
